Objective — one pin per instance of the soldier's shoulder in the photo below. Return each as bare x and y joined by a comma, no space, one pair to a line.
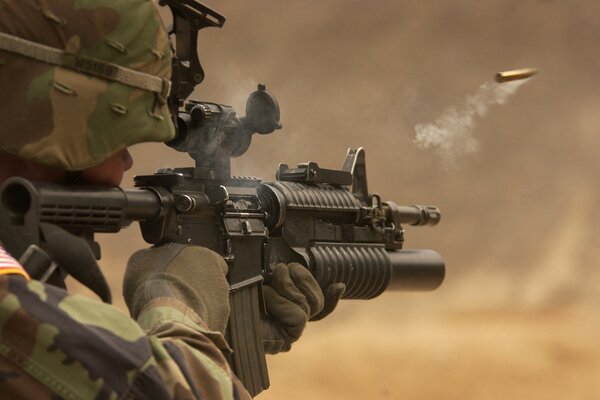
79,347
74,345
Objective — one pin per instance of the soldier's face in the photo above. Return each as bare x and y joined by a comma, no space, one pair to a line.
110,172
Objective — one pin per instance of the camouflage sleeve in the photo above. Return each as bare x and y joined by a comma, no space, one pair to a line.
195,352
55,345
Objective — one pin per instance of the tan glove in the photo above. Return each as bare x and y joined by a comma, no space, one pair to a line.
292,298
194,275
197,277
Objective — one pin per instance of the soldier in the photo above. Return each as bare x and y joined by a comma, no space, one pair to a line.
81,80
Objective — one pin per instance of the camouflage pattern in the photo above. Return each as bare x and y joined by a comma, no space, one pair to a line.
63,118
192,274
59,346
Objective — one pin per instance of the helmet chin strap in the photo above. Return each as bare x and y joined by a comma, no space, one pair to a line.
73,177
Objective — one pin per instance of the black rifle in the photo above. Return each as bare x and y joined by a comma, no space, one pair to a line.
308,215
324,219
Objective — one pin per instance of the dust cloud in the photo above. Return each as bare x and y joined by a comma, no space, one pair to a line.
517,316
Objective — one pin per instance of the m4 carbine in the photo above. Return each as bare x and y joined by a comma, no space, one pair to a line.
310,215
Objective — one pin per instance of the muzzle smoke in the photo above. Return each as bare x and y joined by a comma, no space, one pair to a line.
451,135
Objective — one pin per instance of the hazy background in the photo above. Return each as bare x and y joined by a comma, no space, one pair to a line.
519,313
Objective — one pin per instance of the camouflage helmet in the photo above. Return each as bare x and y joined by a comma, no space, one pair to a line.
82,79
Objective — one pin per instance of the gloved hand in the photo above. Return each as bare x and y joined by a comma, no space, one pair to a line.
196,276
192,274
292,298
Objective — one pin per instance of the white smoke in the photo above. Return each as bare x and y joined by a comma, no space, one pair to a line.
452,133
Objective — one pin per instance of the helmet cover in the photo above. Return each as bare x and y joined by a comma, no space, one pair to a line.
75,118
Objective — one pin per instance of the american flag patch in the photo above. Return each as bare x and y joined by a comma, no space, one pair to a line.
9,265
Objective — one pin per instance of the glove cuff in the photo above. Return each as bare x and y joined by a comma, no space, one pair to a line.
163,311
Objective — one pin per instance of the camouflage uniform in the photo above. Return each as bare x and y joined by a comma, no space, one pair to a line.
73,113
56,345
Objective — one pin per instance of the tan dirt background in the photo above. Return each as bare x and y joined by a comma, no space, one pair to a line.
518,315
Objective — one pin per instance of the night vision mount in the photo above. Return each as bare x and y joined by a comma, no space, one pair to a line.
189,16
210,133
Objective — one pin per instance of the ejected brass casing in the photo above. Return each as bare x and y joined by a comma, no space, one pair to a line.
515,74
